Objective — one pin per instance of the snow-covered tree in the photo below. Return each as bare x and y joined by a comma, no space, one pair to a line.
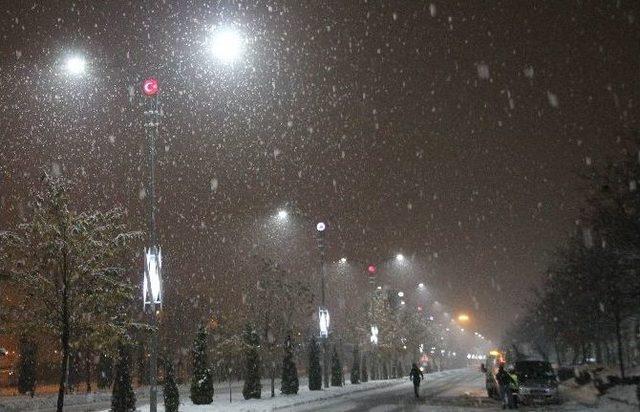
336,368
123,399
279,304
253,370
355,366
67,271
27,366
202,380
315,371
290,382
170,390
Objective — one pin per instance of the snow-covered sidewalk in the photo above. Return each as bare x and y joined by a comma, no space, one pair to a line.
101,400
304,396
617,399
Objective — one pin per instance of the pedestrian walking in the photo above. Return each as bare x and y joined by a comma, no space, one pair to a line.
416,376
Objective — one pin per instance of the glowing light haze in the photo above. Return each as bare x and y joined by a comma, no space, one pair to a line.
75,65
227,45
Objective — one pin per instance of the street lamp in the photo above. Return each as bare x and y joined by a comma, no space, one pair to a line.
463,317
227,45
283,214
323,312
75,65
400,257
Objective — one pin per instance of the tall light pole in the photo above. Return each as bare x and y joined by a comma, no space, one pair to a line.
152,287
74,66
323,312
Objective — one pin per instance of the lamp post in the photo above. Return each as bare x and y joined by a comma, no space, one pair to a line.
152,286
323,312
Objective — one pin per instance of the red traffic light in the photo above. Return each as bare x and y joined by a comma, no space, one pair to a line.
150,86
371,269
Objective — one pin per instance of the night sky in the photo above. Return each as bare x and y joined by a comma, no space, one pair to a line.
451,132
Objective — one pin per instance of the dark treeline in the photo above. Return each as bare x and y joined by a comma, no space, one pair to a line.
588,305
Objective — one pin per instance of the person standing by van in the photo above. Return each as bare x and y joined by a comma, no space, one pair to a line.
506,383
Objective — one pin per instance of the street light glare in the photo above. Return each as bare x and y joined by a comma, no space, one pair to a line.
320,227
463,318
75,65
421,285
283,214
400,294
343,260
399,257
227,45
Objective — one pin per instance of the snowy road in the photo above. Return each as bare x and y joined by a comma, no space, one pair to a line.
445,391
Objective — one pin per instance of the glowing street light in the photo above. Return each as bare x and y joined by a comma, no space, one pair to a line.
227,45
421,285
320,227
75,65
399,257
400,294
283,214
343,260
463,317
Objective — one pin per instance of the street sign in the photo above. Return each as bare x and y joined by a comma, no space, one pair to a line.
150,86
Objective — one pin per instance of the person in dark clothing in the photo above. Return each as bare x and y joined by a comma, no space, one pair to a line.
416,376
505,381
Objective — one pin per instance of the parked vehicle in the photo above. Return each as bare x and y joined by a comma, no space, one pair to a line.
537,382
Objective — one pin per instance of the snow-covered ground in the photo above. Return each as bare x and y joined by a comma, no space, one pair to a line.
448,391
304,396
101,400
620,398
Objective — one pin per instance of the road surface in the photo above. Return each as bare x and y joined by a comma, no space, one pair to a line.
442,391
